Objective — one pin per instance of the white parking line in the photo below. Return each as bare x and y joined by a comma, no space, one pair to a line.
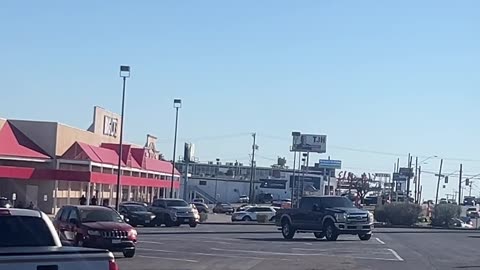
236,256
396,254
380,241
171,259
398,258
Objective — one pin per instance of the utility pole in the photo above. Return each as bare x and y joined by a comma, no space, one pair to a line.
438,182
252,172
460,185
398,165
409,176
419,195
415,181
292,181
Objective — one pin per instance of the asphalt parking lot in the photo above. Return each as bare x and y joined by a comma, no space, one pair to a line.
254,247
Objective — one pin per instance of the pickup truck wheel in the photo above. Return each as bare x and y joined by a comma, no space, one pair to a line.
193,224
330,231
287,230
365,237
129,253
79,241
168,221
319,235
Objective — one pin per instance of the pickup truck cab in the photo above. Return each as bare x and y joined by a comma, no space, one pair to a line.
325,216
29,241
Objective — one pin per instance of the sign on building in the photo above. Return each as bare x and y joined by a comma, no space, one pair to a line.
110,125
309,143
330,164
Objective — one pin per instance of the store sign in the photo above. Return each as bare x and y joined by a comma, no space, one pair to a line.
330,164
110,126
309,143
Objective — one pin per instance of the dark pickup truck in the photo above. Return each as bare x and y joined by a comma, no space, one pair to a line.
325,216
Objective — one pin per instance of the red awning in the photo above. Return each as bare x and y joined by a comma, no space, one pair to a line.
26,173
13,143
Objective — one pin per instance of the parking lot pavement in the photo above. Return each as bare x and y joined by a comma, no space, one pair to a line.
254,247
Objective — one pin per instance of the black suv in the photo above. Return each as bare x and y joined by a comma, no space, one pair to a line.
325,216
173,212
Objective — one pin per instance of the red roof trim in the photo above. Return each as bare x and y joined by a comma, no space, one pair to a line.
14,143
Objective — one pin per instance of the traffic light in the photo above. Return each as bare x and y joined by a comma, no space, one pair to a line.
467,182
446,179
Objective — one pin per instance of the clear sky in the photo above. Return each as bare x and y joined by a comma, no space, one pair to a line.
387,77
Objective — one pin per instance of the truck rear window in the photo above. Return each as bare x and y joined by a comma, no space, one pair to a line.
21,231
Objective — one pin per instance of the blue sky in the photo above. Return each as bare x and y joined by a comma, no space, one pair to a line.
383,76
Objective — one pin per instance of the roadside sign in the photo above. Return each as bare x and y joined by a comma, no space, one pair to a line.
384,175
309,143
330,164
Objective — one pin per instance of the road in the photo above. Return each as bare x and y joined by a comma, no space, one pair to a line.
262,247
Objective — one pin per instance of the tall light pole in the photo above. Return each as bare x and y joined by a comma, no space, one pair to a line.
124,73
177,104
417,175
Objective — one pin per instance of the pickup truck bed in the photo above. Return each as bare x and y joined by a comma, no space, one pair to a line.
54,258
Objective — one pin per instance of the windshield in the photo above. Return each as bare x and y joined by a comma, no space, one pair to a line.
20,231
336,202
136,208
176,203
99,215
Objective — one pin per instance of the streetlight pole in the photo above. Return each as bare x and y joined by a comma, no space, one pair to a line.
124,73
177,104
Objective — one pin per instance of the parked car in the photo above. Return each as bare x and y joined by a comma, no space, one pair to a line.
5,203
137,214
458,223
29,241
201,207
223,208
469,201
250,214
325,216
133,202
173,212
243,199
96,227
264,198
244,207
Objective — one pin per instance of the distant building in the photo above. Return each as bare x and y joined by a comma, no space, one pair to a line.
217,181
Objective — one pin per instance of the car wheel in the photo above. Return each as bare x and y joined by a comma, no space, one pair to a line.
287,230
193,224
79,241
319,235
129,253
246,218
365,237
330,231
168,221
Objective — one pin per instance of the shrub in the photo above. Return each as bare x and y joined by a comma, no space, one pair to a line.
443,213
398,213
380,214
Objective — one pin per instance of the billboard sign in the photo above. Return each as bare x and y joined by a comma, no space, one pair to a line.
189,152
330,164
309,143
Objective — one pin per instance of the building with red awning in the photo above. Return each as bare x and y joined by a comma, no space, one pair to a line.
51,164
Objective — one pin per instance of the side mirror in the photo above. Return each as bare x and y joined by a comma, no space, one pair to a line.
73,221
122,216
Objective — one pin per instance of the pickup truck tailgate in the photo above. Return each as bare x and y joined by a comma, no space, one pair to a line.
54,258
